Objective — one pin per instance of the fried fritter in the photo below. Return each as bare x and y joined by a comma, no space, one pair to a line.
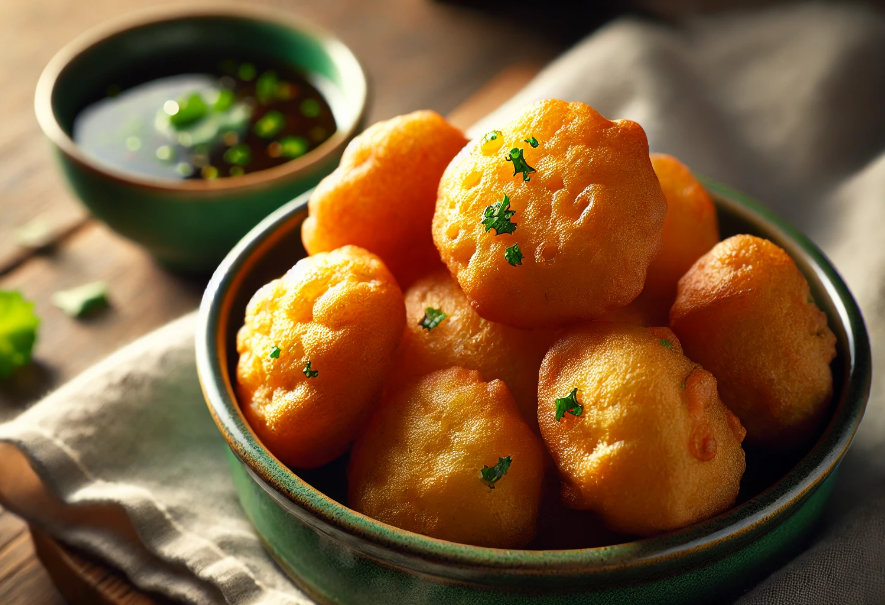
745,312
637,429
382,195
311,360
554,218
420,463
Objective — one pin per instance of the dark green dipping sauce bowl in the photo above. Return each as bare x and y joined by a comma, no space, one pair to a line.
336,554
189,225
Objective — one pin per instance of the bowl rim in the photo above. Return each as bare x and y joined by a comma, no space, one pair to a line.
341,55
738,524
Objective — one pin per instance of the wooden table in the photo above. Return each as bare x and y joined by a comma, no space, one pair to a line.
419,54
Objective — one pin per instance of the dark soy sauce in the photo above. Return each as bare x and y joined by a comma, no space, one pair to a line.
212,119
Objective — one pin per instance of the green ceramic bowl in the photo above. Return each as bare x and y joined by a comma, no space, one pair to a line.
339,555
190,225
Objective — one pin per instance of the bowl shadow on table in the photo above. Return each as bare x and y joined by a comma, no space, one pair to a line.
754,556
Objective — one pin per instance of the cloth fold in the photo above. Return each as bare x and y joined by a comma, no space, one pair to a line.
784,104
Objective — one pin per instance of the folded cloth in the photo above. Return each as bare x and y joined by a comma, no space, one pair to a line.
784,104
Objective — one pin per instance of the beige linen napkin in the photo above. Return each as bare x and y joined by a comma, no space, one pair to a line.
785,104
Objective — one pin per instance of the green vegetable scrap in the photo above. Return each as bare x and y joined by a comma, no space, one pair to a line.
270,124
246,72
239,155
513,255
666,343
224,101
310,108
18,331
497,216
432,318
293,147
82,300
308,372
274,353
493,475
519,163
188,110
532,141
569,404
266,87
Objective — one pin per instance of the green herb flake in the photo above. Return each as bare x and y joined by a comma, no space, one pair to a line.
532,141
82,300
238,155
246,72
18,331
308,372
188,110
569,404
497,216
275,353
513,255
310,108
491,136
266,87
519,163
493,475
293,147
666,343
237,171
432,318
270,124
224,101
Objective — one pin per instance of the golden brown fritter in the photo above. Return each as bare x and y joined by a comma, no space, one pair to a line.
574,192
382,195
637,429
419,464
311,360
745,312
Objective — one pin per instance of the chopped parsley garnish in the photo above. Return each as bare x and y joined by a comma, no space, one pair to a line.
274,353
82,300
491,136
308,372
513,255
432,318
18,331
666,343
310,108
532,141
497,216
187,110
519,163
246,72
270,124
568,404
493,475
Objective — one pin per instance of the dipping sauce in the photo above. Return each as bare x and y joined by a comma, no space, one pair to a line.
215,119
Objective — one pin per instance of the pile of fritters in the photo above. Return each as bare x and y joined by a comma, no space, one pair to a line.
543,308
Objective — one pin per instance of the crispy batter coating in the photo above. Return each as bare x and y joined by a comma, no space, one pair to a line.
382,195
690,230
419,464
467,340
310,314
745,312
654,448
588,220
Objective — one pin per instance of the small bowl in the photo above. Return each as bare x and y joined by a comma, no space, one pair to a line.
190,225
335,553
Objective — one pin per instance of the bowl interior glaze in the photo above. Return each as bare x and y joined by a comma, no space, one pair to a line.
734,546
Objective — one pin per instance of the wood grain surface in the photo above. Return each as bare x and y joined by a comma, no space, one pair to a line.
419,54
